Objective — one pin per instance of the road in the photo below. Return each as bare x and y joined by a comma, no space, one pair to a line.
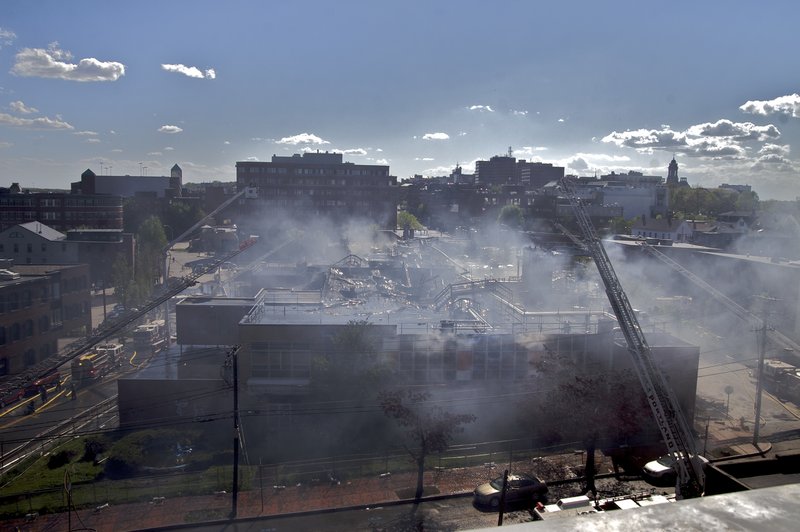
451,513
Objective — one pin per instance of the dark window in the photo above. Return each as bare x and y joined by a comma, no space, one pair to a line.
30,357
15,332
27,328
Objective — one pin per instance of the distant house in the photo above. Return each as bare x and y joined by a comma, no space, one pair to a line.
663,228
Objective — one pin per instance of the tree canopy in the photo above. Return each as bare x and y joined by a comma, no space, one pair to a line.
430,429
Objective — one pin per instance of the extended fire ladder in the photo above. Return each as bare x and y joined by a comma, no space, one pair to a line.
666,410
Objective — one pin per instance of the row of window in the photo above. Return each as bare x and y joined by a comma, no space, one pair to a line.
29,357
318,171
11,216
15,248
317,203
17,201
21,331
13,300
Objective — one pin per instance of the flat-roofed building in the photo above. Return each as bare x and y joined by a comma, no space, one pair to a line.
320,184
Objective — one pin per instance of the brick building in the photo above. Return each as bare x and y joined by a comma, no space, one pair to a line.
60,210
38,305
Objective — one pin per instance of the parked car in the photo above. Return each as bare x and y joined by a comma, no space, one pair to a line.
521,488
663,469
11,397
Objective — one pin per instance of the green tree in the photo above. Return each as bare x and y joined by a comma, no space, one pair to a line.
150,240
747,201
406,219
352,358
511,216
430,428
620,226
590,407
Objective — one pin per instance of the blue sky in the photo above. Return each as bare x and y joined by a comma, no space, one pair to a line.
593,86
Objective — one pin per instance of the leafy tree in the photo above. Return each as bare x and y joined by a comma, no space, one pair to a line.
511,216
594,408
747,201
620,226
406,219
151,239
352,358
429,427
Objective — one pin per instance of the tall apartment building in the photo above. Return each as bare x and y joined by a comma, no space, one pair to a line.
60,210
507,170
321,184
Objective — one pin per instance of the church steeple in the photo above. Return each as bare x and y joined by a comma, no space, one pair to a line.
672,172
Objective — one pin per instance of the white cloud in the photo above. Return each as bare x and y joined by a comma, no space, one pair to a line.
117,150
738,130
481,108
252,159
435,136
785,105
55,63
93,140
302,138
382,161
21,108
777,149
34,123
85,133
192,72
155,153
647,139
352,151
169,129
227,142
462,133
528,151
6,37
561,120
519,113
424,158
378,149
168,148
4,144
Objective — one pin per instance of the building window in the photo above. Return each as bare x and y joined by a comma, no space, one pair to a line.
30,247
15,332
30,357
27,329
2,335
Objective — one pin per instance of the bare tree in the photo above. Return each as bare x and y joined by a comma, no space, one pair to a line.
431,428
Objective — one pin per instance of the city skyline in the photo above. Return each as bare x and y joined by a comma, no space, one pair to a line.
417,86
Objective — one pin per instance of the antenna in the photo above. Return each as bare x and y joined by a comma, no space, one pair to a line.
510,152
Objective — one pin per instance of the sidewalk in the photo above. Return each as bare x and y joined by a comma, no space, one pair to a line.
258,502
273,500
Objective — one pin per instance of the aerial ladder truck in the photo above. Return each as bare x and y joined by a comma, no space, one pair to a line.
675,431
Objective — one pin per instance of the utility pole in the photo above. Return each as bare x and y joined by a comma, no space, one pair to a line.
235,494
761,353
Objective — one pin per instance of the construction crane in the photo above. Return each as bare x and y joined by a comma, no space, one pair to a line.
104,332
667,413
